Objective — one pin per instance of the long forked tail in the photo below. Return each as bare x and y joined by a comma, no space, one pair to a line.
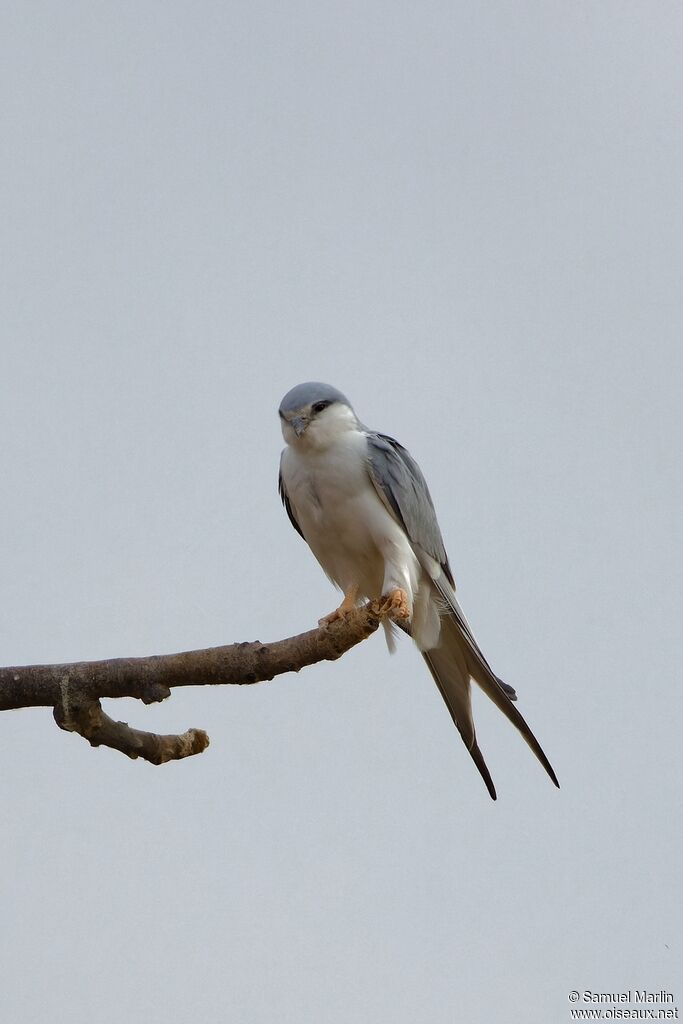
456,658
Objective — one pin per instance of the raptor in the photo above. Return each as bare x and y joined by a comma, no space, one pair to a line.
362,505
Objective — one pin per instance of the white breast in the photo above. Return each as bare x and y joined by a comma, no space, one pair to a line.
346,525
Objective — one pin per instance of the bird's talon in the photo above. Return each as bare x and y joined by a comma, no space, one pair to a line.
345,609
396,604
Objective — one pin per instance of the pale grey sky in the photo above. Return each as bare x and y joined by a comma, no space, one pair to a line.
467,216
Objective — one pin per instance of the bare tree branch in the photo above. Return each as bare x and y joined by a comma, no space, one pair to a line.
74,690
89,720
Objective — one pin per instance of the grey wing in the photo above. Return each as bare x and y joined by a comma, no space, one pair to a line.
282,491
400,484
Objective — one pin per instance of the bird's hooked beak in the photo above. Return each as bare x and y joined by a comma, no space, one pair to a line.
298,424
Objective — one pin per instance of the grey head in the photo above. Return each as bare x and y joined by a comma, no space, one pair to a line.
306,401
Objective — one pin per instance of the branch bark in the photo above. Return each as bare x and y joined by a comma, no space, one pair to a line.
74,690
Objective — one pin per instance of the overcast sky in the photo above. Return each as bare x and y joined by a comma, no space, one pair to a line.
467,216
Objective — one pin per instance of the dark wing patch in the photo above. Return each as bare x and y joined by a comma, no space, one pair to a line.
288,506
401,485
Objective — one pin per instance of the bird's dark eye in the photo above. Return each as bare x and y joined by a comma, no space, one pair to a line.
319,406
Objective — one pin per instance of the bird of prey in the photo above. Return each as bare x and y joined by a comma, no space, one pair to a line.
361,503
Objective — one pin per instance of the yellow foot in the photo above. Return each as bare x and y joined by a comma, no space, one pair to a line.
396,604
345,609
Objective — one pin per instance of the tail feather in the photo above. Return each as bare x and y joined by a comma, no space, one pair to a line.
448,667
458,657
492,688
446,689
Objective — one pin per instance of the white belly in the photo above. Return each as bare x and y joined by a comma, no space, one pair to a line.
349,530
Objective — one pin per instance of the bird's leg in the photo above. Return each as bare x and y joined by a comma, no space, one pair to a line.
345,608
397,603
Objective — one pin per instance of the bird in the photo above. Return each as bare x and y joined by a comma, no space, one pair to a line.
361,503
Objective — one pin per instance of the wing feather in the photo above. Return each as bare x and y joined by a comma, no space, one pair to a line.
282,491
400,484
